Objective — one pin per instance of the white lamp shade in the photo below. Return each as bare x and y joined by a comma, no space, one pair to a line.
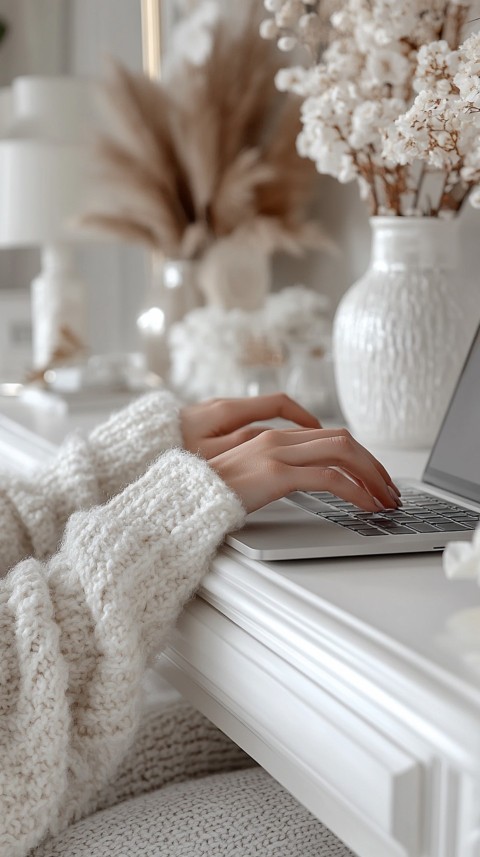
42,187
53,108
6,109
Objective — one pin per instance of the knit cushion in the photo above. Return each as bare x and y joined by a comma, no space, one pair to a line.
240,814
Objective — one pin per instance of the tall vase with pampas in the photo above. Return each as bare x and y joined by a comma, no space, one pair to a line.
172,293
203,167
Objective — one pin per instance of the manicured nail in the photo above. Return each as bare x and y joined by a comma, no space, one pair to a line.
394,496
396,489
377,503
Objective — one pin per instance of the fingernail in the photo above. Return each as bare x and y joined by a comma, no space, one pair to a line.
396,489
377,503
394,496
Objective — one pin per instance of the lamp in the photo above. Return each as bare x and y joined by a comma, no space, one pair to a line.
43,184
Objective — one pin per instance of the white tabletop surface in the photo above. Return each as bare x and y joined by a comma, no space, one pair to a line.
419,606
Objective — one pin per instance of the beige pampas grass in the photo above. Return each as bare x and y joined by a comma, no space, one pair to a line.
209,152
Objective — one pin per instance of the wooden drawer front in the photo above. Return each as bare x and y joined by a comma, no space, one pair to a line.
329,756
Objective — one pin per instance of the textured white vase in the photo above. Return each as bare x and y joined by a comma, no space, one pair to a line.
402,332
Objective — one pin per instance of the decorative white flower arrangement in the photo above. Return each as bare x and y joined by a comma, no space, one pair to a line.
214,351
461,560
394,101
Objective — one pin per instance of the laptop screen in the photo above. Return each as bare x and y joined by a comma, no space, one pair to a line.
454,462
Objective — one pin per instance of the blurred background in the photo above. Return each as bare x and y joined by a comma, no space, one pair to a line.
76,37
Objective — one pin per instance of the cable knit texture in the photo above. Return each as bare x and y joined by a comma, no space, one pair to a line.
77,630
240,814
83,611
174,743
87,471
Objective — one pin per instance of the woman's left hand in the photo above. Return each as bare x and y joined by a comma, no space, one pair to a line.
213,427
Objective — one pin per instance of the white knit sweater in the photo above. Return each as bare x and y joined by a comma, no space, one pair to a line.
83,607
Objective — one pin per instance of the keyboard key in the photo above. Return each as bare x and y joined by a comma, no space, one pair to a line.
335,516
393,526
371,532
444,508
449,527
400,531
420,513
362,515
421,527
398,516
413,509
387,524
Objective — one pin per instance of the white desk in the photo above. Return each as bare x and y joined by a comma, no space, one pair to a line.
344,678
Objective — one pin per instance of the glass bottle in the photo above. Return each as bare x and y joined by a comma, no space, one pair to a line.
172,294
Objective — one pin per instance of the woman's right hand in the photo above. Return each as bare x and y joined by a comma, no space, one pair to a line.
277,462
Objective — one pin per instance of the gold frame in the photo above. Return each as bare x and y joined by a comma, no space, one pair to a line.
152,34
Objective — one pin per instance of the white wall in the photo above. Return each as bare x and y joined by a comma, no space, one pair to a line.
98,31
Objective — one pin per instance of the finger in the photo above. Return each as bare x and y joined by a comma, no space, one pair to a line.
332,480
293,436
235,413
395,497
352,477
216,445
344,452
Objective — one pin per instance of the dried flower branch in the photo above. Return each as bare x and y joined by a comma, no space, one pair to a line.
394,89
210,151
304,23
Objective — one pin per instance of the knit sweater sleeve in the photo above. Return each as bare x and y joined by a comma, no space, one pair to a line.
86,471
77,632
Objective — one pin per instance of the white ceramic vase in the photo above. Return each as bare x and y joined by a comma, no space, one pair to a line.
402,332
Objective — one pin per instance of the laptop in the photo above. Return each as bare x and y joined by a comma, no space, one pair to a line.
443,506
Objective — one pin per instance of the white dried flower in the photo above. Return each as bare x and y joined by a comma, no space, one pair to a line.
311,29
307,22
467,78
389,92
269,29
436,67
461,560
287,43
273,5
388,66
208,345
289,14
470,172
474,198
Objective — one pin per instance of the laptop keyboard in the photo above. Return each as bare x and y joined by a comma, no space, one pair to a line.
420,513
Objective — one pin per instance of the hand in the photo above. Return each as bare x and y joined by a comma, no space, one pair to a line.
275,463
213,427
